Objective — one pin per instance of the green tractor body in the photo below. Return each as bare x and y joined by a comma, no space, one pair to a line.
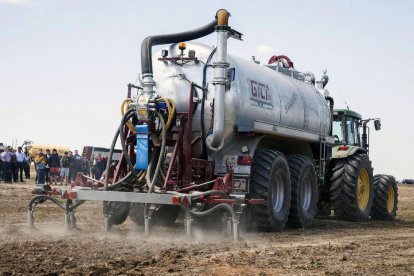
350,188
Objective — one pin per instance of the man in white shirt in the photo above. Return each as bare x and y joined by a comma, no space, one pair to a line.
6,158
21,160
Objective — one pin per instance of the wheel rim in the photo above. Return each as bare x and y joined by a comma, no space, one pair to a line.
278,192
306,193
363,189
390,200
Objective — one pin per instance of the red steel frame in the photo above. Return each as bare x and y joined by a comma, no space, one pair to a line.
179,176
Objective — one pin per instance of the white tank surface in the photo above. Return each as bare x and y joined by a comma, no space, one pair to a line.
258,99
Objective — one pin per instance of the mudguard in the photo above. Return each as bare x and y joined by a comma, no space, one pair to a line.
337,154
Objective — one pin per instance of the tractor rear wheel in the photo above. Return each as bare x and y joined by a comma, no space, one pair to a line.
270,180
386,197
304,196
352,187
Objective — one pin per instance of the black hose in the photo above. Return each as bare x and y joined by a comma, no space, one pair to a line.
45,198
125,118
203,132
147,43
161,155
111,151
225,206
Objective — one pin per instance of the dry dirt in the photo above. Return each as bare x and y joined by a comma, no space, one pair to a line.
331,247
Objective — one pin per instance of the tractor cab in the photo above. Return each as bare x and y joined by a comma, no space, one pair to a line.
348,128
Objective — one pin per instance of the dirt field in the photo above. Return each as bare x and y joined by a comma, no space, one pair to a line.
330,247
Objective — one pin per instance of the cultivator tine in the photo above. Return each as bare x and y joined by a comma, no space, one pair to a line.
30,218
235,230
187,222
147,218
107,223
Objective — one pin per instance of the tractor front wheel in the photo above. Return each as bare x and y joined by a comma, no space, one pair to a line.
352,187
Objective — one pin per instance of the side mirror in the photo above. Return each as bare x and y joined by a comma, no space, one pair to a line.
377,124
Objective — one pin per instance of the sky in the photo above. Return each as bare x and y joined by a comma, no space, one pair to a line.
65,65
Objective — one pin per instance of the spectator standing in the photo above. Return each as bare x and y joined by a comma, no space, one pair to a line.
47,171
64,171
41,162
37,176
92,165
21,161
6,158
13,166
1,164
77,164
72,166
100,166
27,164
86,166
54,165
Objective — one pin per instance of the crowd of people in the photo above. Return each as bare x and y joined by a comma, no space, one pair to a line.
51,168
14,164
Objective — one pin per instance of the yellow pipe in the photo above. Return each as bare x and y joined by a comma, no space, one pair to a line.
128,124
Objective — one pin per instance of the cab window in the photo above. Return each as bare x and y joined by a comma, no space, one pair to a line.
337,130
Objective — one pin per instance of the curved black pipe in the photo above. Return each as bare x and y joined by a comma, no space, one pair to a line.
147,43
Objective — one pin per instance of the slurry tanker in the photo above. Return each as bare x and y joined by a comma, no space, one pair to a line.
218,138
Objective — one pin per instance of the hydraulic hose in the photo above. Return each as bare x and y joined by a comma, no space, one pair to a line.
162,151
147,43
111,151
225,206
126,117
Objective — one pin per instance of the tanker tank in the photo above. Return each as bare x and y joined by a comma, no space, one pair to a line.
258,100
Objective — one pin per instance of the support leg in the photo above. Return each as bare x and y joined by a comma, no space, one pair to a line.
147,218
188,222
235,229
67,221
229,229
30,218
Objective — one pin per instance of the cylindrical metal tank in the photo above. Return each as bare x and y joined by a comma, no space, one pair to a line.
259,99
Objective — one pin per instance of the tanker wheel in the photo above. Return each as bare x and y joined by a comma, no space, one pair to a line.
270,181
165,215
304,196
352,187
118,211
386,197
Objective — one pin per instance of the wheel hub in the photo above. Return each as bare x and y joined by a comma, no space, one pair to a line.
390,199
363,189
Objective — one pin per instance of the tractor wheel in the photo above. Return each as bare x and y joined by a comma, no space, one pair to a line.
270,180
118,210
304,196
165,215
352,187
386,197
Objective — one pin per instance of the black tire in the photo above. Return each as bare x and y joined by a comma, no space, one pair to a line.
346,173
118,211
304,195
385,192
165,215
270,180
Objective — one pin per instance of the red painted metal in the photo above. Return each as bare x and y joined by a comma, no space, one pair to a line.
274,59
255,201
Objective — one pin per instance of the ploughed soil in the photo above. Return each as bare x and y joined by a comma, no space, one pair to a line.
330,247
